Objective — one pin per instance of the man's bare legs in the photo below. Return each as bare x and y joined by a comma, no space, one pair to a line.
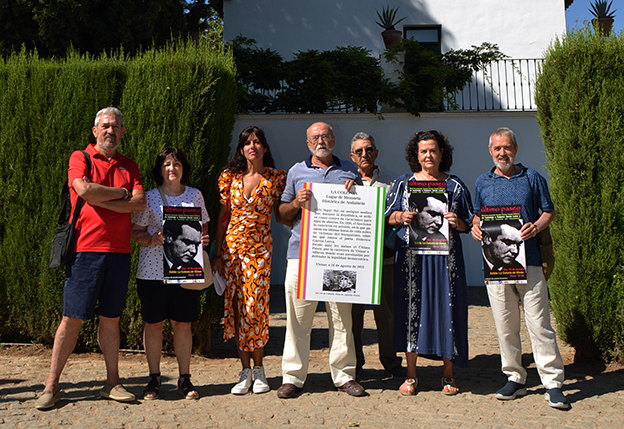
64,343
108,339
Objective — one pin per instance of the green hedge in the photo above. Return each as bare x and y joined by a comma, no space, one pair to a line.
580,102
182,95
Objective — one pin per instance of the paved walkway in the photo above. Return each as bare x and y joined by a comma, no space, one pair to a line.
596,394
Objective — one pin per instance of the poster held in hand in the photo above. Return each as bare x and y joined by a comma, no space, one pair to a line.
503,250
342,240
429,230
183,260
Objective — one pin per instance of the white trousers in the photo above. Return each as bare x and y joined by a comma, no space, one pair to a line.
299,318
505,300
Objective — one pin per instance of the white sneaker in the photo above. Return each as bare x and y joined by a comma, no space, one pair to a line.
244,382
261,385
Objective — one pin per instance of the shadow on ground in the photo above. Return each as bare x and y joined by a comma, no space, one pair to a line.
477,296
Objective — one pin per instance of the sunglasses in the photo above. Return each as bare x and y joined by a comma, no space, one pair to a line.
368,149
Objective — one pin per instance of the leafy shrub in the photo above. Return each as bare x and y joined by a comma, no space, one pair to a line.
317,81
427,79
350,79
259,73
580,111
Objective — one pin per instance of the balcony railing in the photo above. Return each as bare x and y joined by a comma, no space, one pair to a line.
507,84
503,85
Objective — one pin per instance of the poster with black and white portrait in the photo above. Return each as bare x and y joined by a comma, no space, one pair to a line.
429,230
182,256
504,256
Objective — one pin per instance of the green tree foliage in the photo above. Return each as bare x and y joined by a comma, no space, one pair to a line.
580,111
312,82
350,78
317,81
94,26
259,73
427,79
421,85
182,94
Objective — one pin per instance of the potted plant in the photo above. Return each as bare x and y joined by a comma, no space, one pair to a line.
603,21
387,21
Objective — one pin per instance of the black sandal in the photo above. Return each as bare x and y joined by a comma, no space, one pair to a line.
152,390
186,388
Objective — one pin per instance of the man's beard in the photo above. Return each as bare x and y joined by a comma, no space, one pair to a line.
322,151
111,143
505,166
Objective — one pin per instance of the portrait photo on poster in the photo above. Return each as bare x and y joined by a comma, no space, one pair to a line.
429,230
503,250
182,258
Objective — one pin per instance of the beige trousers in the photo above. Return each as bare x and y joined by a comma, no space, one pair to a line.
299,318
505,300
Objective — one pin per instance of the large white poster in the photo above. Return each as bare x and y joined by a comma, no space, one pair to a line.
341,252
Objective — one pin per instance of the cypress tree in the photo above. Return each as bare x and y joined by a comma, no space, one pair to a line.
580,102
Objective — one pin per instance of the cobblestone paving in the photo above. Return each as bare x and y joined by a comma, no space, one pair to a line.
596,393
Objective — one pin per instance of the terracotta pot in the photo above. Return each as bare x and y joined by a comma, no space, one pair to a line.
391,37
602,25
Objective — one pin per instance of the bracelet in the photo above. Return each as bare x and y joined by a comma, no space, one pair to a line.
401,218
125,192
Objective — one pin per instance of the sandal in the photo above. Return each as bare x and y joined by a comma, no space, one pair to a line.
408,388
448,384
186,388
152,389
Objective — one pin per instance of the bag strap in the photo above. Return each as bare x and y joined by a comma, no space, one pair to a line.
65,197
162,195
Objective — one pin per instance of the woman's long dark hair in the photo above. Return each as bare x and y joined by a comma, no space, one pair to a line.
411,150
177,154
238,163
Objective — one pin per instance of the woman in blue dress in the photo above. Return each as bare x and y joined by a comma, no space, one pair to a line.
430,304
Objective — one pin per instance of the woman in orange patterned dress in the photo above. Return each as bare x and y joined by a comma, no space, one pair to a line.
250,187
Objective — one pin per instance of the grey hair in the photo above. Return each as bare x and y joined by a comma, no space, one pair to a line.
361,135
108,111
329,126
504,131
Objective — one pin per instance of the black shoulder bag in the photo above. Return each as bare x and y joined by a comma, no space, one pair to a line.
63,242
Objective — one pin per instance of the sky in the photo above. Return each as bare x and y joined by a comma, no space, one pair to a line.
579,10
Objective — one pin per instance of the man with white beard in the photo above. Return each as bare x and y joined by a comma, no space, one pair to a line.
320,167
514,184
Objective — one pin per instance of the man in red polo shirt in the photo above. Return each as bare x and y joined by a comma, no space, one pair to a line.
100,270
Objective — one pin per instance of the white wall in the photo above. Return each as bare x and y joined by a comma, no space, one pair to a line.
467,132
521,28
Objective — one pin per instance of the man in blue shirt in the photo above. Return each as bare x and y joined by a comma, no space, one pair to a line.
321,167
514,184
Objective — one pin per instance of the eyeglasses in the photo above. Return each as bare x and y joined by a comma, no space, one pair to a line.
368,149
321,137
